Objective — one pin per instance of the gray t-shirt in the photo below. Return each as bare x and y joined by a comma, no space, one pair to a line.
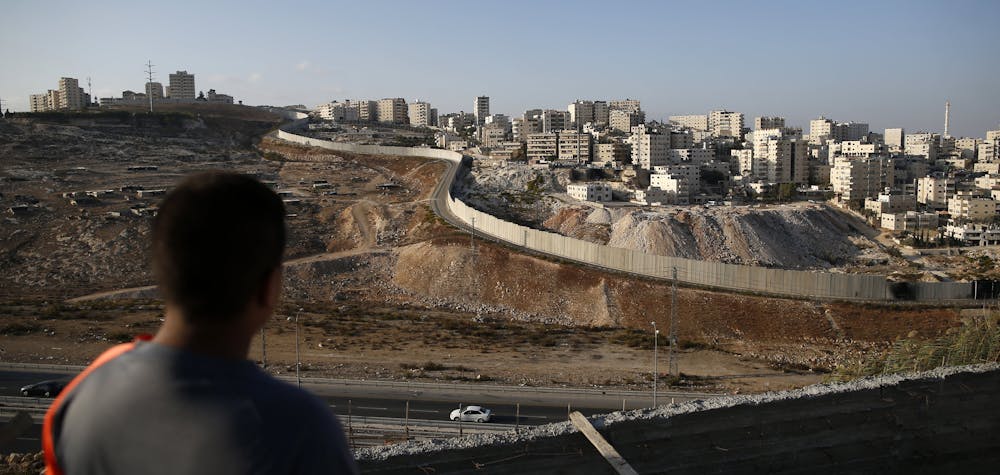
157,409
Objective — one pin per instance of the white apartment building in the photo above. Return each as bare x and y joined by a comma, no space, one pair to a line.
649,150
974,234
392,110
723,123
591,191
680,180
181,86
776,158
481,109
623,120
602,113
923,144
760,123
934,191
967,147
909,221
419,113
492,135
821,130
575,146
888,203
39,103
894,140
971,207
854,179
988,182
555,120
653,196
693,122
70,94
989,149
543,146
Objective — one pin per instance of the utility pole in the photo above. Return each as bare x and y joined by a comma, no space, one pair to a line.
656,337
149,88
671,361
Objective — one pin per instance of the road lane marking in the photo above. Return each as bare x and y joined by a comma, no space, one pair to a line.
425,410
374,408
27,438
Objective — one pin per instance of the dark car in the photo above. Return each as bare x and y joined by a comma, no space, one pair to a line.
44,388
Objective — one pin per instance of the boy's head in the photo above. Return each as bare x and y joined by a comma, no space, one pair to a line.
217,238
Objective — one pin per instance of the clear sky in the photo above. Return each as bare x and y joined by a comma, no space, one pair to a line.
889,63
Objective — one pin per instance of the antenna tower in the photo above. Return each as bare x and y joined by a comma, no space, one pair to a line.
149,87
947,113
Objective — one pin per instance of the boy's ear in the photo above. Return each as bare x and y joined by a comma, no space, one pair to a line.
270,292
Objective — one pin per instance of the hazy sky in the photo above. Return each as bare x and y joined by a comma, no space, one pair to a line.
889,63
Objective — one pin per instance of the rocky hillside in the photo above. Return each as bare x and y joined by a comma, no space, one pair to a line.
789,236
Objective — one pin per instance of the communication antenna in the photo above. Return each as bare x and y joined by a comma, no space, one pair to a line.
90,91
947,113
149,87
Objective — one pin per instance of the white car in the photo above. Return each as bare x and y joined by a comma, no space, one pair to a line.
471,414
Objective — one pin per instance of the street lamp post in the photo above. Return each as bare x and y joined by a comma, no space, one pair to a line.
656,335
298,360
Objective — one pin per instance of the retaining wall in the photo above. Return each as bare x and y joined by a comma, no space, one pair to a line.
781,282
943,421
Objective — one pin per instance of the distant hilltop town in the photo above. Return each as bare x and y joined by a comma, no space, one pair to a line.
70,96
925,185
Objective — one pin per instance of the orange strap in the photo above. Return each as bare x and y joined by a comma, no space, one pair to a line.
48,441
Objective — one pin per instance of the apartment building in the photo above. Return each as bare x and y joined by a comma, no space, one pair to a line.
581,112
623,120
555,120
181,86
628,105
694,156
894,140
934,191
989,149
591,191
154,90
693,122
602,113
971,207
38,102
856,148
723,123
492,135
543,146
70,94
967,147
419,113
649,150
854,179
615,152
909,221
889,203
392,110
481,109
776,158
760,123
575,146
974,234
922,144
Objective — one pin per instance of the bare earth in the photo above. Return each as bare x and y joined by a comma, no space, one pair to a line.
387,289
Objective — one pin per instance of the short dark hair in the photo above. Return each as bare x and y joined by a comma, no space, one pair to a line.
216,239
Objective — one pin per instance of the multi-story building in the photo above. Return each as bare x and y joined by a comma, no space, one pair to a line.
854,179
492,135
629,105
934,191
555,120
909,221
776,158
723,123
623,120
971,207
989,149
591,191
181,86
70,94
602,113
367,110
392,110
575,146
966,147
649,150
419,113
974,234
154,90
889,203
693,122
894,140
481,109
760,123
543,146
922,144
694,156
218,98
855,148
614,152
821,130
581,112
39,103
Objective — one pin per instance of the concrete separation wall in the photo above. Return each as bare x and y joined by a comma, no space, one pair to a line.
942,421
781,282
